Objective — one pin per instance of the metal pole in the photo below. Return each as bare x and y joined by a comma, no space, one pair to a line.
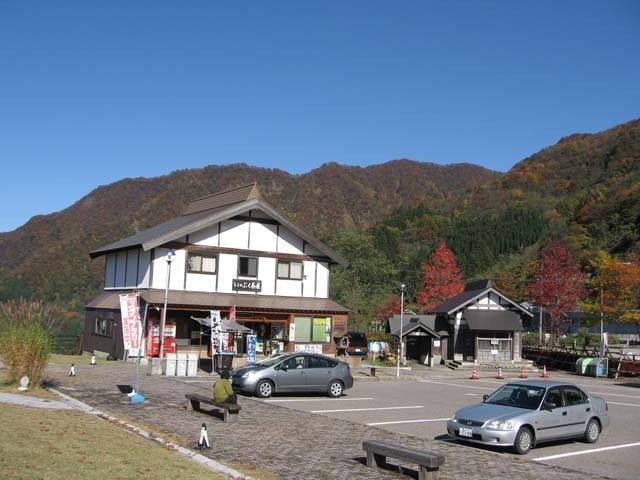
540,326
144,324
402,288
601,323
163,320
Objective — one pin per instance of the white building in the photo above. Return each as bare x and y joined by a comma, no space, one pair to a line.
229,250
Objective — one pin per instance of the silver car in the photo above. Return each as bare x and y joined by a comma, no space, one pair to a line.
293,372
524,413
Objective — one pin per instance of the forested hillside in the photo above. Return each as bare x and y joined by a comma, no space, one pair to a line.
386,218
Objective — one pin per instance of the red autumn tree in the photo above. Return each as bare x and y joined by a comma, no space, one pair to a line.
441,278
390,307
557,283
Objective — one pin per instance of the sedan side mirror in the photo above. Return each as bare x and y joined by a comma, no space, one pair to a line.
284,367
549,405
484,398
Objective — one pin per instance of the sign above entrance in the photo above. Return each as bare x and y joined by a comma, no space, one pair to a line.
246,285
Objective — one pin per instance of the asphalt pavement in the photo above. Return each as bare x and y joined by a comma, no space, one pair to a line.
287,443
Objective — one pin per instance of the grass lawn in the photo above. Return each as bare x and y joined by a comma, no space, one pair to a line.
48,444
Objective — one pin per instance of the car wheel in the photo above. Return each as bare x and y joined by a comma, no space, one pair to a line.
264,389
524,441
335,389
592,432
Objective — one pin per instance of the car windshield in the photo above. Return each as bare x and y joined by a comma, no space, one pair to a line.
272,360
521,396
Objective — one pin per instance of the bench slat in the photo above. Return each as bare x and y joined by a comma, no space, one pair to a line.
421,457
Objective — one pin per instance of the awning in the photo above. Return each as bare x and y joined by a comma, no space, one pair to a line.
222,301
227,325
496,320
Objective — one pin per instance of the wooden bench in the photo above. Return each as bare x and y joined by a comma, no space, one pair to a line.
230,410
428,462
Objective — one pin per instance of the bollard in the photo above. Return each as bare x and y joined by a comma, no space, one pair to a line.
72,370
203,442
93,360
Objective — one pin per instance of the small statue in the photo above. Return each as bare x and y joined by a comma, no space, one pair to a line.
24,383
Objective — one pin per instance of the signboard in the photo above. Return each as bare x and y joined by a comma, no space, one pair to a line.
292,332
131,327
239,284
216,332
251,349
309,348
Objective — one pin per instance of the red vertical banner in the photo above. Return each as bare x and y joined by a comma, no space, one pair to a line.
131,328
232,313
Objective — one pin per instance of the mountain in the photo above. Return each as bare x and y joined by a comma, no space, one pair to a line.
48,256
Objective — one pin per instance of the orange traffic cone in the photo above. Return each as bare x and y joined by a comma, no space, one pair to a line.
522,373
545,374
474,374
499,375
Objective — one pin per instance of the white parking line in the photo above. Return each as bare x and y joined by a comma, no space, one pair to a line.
593,450
409,421
615,394
625,404
457,385
365,409
278,400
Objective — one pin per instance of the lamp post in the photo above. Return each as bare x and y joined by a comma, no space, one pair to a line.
169,258
601,322
402,287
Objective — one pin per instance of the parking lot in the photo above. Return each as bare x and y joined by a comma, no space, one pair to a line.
421,406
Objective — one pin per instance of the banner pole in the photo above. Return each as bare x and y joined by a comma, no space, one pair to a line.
144,324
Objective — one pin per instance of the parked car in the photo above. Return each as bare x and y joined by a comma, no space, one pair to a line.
293,372
352,344
524,413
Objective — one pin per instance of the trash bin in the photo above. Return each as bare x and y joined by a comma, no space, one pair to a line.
582,365
223,361
154,367
181,365
192,364
170,369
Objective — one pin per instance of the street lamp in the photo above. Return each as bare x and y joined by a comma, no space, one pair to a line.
403,288
169,258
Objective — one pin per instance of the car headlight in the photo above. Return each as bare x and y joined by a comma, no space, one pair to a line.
454,418
498,425
249,374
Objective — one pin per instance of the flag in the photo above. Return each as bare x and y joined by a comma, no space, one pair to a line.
130,320
232,313
216,331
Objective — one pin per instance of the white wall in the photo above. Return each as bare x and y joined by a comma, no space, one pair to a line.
322,280
288,242
227,271
207,236
234,234
263,238
309,271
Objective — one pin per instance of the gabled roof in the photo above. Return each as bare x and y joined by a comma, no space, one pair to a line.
472,292
411,323
209,210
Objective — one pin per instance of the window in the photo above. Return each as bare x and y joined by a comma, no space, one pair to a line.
199,263
319,362
248,266
574,396
313,330
291,270
103,326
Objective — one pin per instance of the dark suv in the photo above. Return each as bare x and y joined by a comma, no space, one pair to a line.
353,343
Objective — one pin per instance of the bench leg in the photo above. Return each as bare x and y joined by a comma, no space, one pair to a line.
374,459
226,415
426,473
192,405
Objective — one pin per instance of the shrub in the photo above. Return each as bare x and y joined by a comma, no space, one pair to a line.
24,351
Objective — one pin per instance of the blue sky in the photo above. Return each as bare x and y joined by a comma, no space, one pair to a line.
92,92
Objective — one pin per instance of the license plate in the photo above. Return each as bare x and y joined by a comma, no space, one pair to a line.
357,349
466,432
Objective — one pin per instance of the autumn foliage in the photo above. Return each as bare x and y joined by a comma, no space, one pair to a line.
441,278
557,282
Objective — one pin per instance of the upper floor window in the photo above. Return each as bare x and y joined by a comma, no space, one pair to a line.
247,266
199,263
291,270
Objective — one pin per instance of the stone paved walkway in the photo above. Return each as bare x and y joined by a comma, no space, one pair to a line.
288,443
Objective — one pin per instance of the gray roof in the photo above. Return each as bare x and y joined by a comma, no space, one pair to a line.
206,211
497,320
212,301
411,323
472,292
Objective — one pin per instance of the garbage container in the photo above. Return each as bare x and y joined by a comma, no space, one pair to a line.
181,365
223,361
192,364
170,369
582,365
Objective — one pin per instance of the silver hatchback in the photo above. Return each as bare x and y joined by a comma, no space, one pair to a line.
293,372
522,414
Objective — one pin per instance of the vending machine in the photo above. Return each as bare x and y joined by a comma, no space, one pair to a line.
153,338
